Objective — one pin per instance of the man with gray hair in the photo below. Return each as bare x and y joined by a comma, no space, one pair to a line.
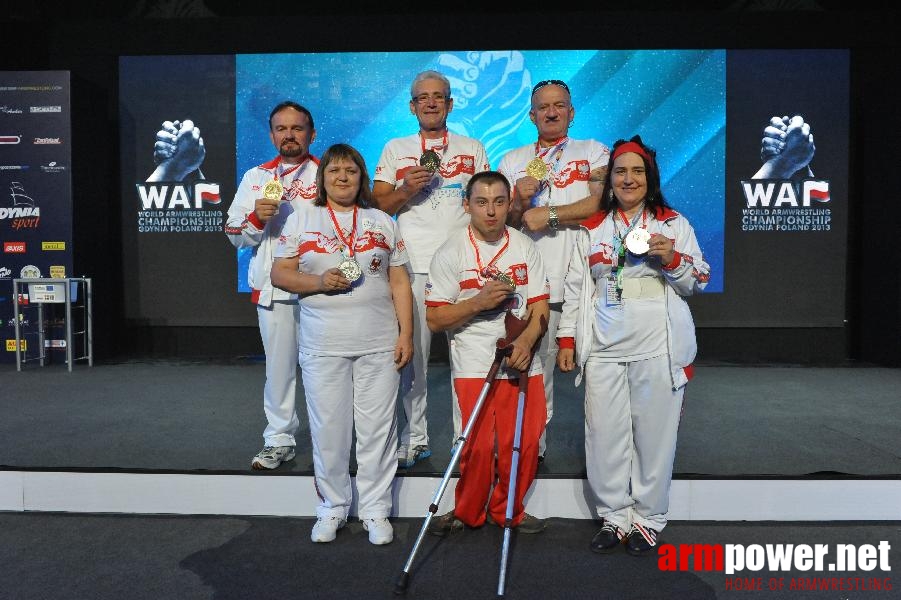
421,179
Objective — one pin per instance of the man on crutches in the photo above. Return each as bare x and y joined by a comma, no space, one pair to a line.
475,278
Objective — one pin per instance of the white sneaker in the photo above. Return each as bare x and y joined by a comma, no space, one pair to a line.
380,531
408,456
272,456
326,528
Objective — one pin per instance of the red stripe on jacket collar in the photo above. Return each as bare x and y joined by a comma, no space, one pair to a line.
272,164
661,214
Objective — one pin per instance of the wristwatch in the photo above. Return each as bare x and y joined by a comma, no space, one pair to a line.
552,220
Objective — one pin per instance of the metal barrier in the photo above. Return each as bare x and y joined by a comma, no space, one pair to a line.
75,294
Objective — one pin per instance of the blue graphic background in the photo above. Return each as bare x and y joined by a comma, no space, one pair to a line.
675,99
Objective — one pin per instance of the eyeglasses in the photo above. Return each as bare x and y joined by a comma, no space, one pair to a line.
541,84
425,98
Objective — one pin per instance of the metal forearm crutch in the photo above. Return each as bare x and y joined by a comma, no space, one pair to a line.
500,352
514,466
514,473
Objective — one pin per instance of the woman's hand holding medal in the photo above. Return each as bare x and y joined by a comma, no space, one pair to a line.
663,247
334,280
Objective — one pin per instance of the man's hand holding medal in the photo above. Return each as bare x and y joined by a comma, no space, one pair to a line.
529,185
416,179
267,206
492,294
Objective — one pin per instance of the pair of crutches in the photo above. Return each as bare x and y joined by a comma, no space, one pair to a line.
513,326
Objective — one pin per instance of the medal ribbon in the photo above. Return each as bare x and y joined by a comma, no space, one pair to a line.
619,242
557,148
286,172
349,242
443,145
483,271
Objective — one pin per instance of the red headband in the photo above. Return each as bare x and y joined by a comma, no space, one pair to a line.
632,147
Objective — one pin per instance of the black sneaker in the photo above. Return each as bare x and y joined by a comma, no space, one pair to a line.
444,524
608,539
641,540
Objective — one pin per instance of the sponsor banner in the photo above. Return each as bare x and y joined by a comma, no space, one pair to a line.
35,181
11,345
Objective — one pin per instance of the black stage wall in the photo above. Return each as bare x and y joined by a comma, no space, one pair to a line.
88,41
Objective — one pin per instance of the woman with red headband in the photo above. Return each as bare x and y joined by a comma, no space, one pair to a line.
626,324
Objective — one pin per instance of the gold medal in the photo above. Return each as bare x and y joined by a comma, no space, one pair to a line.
430,160
537,169
273,190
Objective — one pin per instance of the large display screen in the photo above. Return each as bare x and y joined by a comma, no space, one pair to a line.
775,240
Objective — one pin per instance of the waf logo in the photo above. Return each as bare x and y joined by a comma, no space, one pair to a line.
177,196
768,193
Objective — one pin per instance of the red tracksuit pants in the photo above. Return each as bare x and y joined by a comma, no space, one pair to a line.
497,420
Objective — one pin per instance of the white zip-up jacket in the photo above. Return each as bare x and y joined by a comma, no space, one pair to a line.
686,275
245,230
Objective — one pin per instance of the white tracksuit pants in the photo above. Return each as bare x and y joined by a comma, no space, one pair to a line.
548,353
414,387
347,395
278,330
631,421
